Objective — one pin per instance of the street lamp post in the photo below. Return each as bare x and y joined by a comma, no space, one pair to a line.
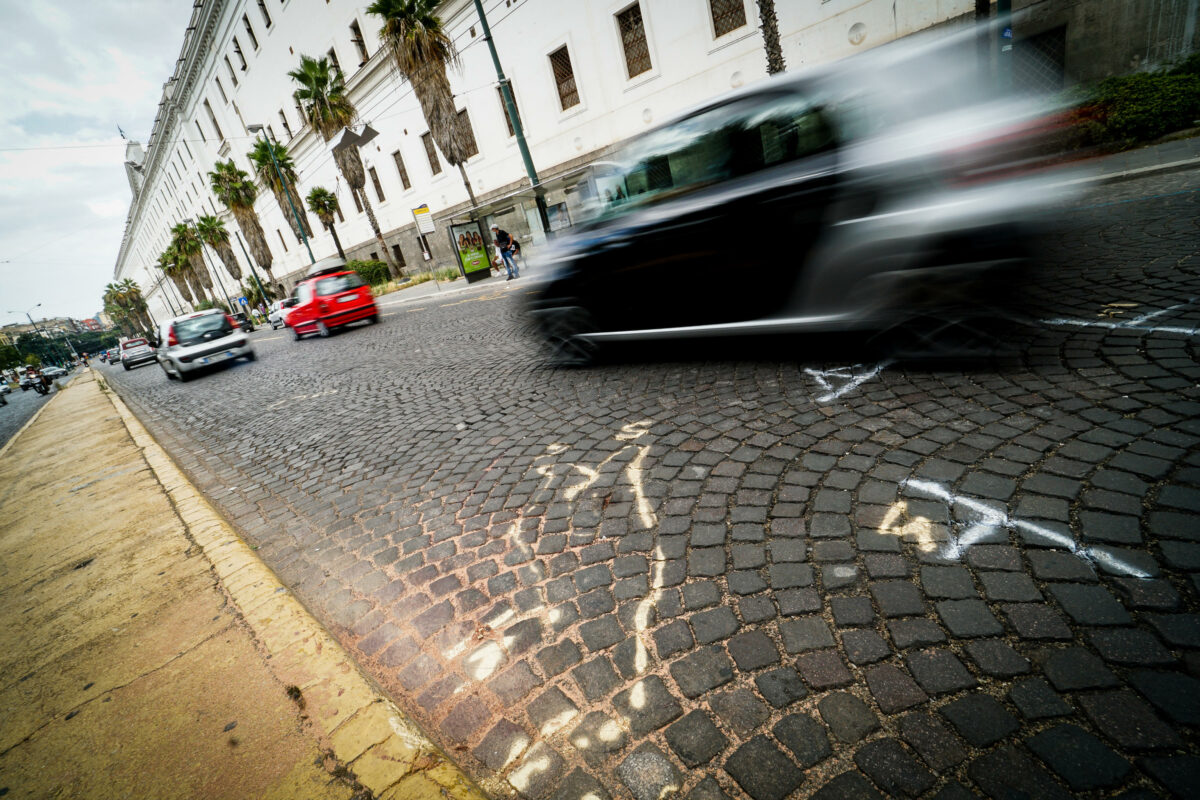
279,174
518,130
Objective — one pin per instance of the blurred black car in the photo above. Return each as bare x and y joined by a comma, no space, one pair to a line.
242,320
860,195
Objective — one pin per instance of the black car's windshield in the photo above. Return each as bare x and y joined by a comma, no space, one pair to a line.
336,284
199,329
715,145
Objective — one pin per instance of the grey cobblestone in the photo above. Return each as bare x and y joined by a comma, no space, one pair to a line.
469,558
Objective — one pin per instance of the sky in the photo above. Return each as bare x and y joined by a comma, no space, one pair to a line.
77,69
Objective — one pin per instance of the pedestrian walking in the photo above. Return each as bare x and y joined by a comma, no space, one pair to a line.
505,242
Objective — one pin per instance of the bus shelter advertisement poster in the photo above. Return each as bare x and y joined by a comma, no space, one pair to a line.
472,247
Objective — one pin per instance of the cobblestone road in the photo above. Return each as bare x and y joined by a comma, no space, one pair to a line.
759,578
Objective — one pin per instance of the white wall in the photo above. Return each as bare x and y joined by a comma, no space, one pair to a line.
688,66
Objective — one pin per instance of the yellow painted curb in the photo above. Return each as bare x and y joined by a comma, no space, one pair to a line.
387,752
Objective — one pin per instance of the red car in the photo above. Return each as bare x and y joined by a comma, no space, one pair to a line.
329,300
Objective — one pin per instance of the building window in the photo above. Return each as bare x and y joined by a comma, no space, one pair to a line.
237,51
299,109
400,168
283,121
633,40
375,181
238,112
281,241
232,74
188,149
213,119
357,202
250,31
727,15
333,59
564,78
507,119
221,89
468,134
360,43
262,6
435,166
398,255
339,212
203,138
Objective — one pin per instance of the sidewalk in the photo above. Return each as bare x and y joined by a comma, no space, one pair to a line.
147,652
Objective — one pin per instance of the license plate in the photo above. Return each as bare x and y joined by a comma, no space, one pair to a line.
349,299
217,357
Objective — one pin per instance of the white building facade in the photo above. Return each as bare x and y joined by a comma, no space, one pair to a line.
586,75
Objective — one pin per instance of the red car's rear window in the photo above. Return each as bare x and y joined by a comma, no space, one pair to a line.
336,284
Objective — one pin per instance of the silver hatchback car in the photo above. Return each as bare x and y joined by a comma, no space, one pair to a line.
202,339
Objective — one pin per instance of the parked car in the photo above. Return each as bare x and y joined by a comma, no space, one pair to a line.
5,388
114,355
53,372
868,194
329,298
198,340
136,351
243,321
279,311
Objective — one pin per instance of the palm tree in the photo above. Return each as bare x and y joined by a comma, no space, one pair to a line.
136,303
170,263
211,231
327,107
324,204
266,172
770,29
422,50
237,192
125,303
188,246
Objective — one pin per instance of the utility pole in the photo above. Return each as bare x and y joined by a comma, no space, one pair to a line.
518,130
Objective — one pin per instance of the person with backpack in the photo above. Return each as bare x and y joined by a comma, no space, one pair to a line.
505,243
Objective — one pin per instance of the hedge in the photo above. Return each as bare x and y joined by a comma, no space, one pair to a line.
373,272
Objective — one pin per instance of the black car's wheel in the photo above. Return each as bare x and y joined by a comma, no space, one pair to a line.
322,329
166,371
126,366
564,330
296,334
251,356
373,319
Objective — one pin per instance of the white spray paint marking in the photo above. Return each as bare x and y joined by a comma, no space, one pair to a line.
294,398
990,520
1135,324
845,377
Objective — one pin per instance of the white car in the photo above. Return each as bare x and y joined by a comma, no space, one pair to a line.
278,314
195,341
134,352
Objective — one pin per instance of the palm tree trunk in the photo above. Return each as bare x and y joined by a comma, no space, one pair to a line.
467,183
281,198
336,241
256,240
393,267
200,269
193,280
181,286
770,29
225,251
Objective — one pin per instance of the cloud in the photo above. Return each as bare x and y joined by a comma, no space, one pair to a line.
77,69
